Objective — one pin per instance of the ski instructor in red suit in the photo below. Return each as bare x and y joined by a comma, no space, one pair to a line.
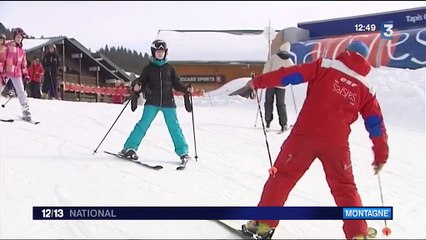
337,91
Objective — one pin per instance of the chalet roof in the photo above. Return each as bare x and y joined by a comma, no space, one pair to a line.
35,44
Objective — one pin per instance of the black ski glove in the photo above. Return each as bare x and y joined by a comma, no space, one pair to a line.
188,102
247,92
134,101
188,87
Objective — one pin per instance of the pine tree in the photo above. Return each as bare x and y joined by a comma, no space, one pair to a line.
127,59
5,31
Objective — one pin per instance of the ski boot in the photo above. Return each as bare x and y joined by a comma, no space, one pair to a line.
268,126
26,115
129,154
258,230
371,234
184,159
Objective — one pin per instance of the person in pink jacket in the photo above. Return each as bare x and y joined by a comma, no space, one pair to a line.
13,67
2,59
8,90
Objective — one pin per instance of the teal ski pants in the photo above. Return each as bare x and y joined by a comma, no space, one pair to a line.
148,115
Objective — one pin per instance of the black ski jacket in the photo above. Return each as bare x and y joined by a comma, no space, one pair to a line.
157,83
51,63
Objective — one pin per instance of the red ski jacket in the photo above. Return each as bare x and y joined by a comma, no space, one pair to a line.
36,72
337,91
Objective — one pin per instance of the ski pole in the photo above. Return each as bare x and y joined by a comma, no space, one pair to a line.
193,128
294,99
94,151
257,112
273,170
4,105
386,230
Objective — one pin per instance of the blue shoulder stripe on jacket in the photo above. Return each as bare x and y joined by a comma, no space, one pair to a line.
293,79
373,124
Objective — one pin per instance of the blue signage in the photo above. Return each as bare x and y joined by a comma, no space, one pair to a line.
410,18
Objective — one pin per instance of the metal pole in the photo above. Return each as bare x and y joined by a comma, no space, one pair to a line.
273,170
97,83
193,129
294,100
4,105
269,40
79,76
63,70
383,202
257,113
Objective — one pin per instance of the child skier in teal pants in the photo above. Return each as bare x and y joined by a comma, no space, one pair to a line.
157,80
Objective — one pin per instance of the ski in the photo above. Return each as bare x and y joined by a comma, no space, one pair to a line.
19,119
181,166
279,131
237,232
32,121
155,167
243,232
7,120
288,129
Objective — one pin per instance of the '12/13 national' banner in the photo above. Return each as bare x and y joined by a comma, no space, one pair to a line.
211,213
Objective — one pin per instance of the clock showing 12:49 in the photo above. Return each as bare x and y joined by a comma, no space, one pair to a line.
386,29
365,28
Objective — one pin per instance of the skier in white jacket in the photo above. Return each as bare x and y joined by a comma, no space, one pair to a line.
276,61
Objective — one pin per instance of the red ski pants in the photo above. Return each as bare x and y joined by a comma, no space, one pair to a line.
296,155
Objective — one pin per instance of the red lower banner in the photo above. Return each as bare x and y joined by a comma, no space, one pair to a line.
113,91
196,93
117,91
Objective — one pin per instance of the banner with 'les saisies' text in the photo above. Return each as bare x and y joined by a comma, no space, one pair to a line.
406,49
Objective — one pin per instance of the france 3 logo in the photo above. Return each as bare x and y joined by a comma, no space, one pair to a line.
387,30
